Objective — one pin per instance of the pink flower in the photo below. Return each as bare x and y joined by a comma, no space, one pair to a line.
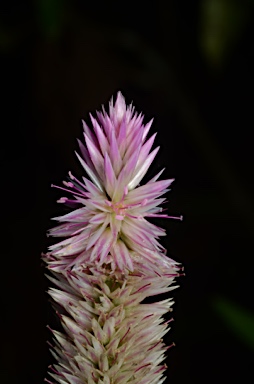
110,259
110,226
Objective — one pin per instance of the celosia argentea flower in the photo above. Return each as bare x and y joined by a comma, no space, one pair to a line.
111,260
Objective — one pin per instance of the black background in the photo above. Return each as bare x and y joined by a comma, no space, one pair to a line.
189,64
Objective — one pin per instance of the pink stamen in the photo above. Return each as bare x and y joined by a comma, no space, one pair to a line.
143,366
125,193
119,217
155,345
67,190
62,200
170,346
76,180
161,368
169,321
132,216
126,333
47,381
165,216
65,200
113,362
68,184
51,345
141,289
54,370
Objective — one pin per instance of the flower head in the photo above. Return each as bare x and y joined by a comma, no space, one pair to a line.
110,223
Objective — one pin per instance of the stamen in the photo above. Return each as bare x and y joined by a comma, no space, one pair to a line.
155,345
65,200
132,216
170,320
62,200
119,217
140,289
67,190
170,346
125,193
68,184
54,370
76,180
128,330
165,216
143,366
47,381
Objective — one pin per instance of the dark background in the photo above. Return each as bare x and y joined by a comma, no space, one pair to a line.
189,64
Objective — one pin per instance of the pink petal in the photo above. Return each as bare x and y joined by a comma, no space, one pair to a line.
90,173
143,169
95,156
103,142
110,179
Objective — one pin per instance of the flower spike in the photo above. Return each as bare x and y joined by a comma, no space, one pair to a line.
110,259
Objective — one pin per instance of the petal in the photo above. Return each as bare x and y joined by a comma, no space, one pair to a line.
90,173
146,191
110,178
103,142
145,150
143,169
96,235
115,156
95,155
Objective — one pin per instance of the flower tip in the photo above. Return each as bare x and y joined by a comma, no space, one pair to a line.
119,97
71,175
62,200
49,328
120,106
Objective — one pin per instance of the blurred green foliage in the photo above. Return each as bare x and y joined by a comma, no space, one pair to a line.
239,320
50,15
221,25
